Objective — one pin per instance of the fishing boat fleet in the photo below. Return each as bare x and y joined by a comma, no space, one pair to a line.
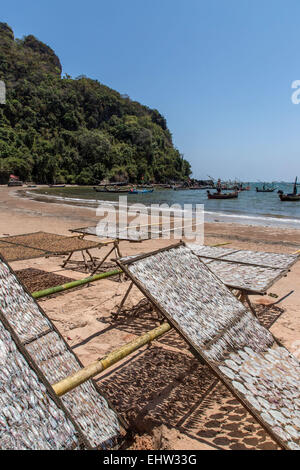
123,190
292,197
219,188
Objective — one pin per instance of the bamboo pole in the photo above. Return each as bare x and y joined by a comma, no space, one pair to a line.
221,244
93,369
70,285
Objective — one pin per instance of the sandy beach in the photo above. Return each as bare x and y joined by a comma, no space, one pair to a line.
162,391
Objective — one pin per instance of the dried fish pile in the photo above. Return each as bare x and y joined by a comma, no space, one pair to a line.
261,258
29,417
32,239
117,234
256,279
271,260
84,403
36,279
265,376
50,242
268,381
47,348
15,252
19,308
209,251
4,244
121,234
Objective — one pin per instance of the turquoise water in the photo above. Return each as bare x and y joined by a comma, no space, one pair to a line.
250,208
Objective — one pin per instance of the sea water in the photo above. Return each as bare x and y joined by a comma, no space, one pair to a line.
251,207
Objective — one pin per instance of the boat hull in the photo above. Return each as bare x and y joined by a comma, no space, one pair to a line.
114,191
222,196
265,190
141,191
289,197
15,183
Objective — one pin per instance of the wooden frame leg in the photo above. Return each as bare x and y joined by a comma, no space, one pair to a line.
101,262
250,305
118,249
91,257
115,315
85,261
68,259
242,297
118,255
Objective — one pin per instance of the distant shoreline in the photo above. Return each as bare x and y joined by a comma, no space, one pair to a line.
211,216
19,215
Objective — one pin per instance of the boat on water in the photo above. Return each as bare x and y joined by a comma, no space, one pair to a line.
57,185
289,197
15,183
200,187
264,189
221,195
268,190
112,184
140,191
292,196
108,190
181,188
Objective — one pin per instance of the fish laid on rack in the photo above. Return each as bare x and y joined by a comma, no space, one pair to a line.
55,360
260,372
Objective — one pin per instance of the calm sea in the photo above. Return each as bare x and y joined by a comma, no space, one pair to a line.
250,208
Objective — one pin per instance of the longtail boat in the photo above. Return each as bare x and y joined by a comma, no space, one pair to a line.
107,190
292,196
15,183
289,197
264,189
222,195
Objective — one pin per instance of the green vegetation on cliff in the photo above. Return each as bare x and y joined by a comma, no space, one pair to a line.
66,130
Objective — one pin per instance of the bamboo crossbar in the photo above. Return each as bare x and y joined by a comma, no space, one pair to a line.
93,369
220,244
70,285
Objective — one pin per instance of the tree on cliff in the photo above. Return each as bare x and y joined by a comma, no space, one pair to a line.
55,128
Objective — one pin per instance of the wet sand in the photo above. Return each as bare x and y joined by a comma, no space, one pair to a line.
173,402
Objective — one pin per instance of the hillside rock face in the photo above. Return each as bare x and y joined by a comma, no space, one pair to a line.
6,32
21,58
45,52
55,129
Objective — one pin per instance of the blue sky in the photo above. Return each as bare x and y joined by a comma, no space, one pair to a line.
220,71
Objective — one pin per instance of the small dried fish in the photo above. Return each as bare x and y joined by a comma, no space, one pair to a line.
246,353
